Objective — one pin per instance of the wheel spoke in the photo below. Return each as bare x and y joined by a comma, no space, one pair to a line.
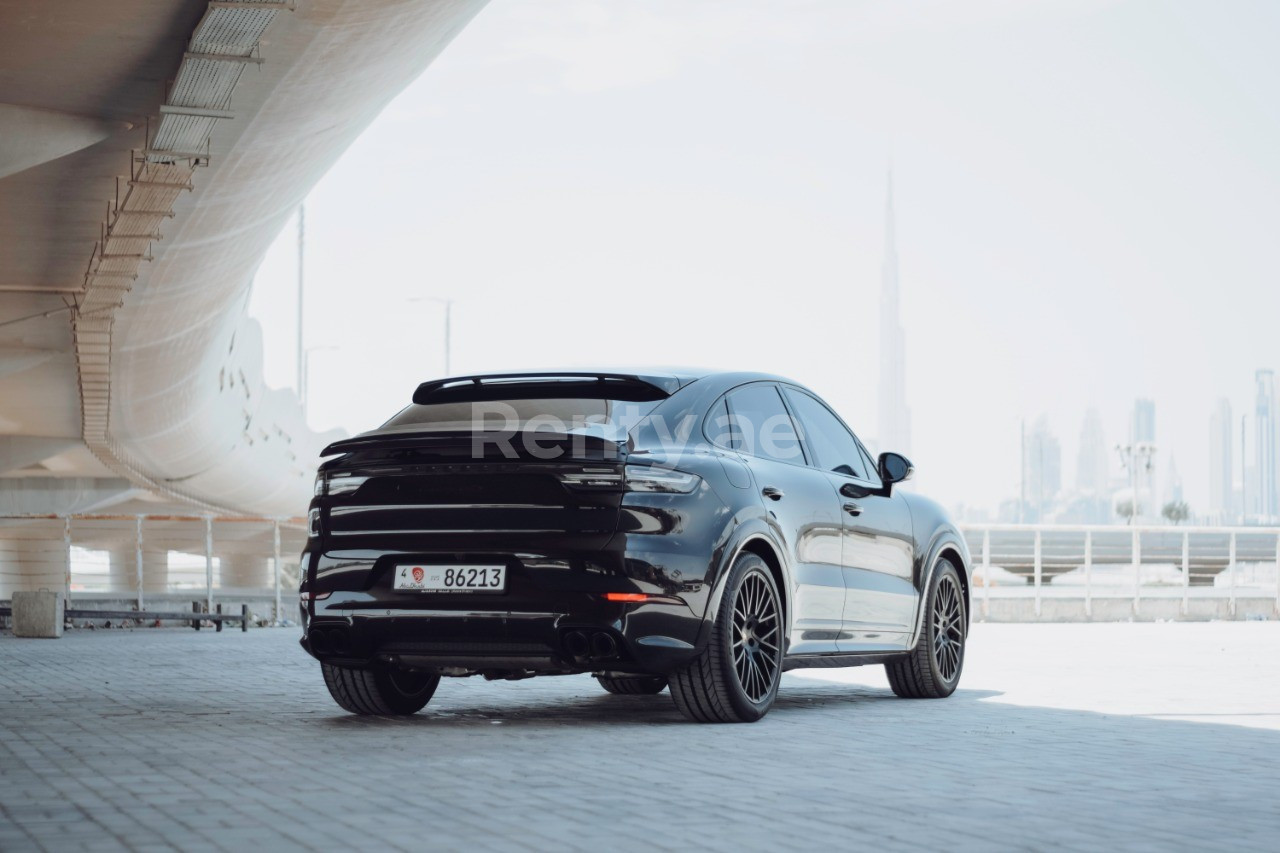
755,647
948,628
761,682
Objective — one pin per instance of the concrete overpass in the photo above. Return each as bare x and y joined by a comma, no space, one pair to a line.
150,151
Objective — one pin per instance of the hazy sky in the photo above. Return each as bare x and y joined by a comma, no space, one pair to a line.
1087,198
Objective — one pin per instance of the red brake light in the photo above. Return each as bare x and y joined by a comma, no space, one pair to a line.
625,596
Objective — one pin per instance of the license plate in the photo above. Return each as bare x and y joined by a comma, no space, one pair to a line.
419,578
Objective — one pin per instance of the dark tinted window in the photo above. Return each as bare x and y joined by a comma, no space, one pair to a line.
606,418
718,428
761,424
831,446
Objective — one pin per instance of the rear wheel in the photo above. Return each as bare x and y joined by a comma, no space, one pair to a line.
933,668
735,678
633,685
379,692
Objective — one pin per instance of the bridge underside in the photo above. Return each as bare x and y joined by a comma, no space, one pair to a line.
150,151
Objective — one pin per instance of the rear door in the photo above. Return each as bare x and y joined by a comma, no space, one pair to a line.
802,506
877,551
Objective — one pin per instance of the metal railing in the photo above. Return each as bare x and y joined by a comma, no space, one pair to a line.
1049,561
167,558
152,558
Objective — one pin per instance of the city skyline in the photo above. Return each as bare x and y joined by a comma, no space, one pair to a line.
1244,473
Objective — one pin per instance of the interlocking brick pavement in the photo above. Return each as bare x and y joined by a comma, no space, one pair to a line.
1141,737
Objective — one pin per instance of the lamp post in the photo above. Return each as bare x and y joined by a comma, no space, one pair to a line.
448,323
302,245
1135,458
306,376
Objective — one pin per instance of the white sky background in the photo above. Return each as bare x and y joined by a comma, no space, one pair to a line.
1087,199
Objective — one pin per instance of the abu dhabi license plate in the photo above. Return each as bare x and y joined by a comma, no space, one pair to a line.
419,578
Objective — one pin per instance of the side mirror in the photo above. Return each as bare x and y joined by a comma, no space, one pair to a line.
894,468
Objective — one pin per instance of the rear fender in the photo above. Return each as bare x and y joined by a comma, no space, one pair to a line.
748,531
944,538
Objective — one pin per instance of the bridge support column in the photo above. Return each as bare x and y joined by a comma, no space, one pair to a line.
124,570
245,571
33,560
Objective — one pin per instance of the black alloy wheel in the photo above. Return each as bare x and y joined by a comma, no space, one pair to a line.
735,678
756,631
948,627
932,670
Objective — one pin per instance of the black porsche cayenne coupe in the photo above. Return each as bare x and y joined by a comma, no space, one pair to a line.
702,531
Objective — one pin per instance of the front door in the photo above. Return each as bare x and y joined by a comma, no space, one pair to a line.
876,540
804,510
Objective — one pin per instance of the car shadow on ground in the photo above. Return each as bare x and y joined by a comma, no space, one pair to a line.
794,700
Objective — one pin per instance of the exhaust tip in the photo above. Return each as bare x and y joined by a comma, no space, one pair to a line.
575,643
319,642
339,642
603,646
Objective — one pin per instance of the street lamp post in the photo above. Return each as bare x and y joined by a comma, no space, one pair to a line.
302,241
305,391
1134,458
448,327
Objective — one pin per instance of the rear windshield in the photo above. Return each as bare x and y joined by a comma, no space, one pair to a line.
611,419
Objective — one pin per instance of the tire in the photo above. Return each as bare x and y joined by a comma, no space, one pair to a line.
933,668
633,685
379,692
735,678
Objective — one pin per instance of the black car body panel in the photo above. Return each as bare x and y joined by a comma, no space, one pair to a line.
559,512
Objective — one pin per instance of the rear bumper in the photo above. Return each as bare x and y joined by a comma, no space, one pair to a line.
583,633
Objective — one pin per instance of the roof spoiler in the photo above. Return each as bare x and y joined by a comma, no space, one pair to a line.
532,386
460,446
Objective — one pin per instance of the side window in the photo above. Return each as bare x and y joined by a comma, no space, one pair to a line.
718,428
829,442
761,424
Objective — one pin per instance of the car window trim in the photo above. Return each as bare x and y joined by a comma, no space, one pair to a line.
786,410
721,401
877,482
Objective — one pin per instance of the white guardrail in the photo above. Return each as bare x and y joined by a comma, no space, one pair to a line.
1047,562
1072,568
153,559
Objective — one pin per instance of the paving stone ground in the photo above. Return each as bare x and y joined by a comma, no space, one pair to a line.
1075,737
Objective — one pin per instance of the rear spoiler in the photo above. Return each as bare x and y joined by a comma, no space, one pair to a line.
461,445
633,388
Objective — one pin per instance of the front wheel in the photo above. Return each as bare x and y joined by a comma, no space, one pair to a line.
932,670
383,692
735,678
632,685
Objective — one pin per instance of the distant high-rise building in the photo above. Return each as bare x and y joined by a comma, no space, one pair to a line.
895,418
1172,484
1142,427
1142,430
1041,469
1265,442
1221,466
1091,463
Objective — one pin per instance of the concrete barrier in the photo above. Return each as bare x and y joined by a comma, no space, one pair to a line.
38,613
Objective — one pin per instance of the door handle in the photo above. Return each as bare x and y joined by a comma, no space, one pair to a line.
772,493
853,509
